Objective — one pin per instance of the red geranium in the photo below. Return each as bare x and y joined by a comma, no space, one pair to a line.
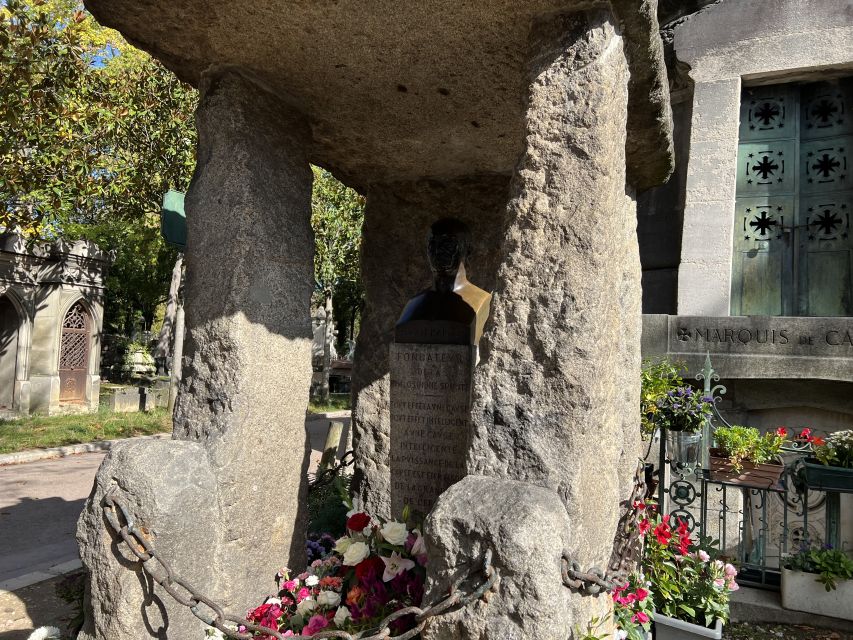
782,432
358,521
663,533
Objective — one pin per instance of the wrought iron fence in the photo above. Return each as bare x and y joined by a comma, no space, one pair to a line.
756,527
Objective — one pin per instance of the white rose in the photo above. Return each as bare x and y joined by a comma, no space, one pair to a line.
341,616
329,599
355,553
306,606
395,533
311,581
343,544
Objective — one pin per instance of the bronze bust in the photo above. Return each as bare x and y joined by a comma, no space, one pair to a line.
454,310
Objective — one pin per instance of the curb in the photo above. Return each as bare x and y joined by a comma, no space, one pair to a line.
34,455
28,579
344,413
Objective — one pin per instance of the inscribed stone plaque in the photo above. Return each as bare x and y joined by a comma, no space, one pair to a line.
430,410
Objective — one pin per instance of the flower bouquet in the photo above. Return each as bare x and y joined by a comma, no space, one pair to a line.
690,584
377,568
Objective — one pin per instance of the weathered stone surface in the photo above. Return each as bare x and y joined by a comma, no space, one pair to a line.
394,268
247,357
650,156
394,91
121,601
554,402
526,528
239,423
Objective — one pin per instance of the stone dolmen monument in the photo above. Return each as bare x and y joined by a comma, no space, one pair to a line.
534,124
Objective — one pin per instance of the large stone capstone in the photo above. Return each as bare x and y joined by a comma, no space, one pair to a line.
396,91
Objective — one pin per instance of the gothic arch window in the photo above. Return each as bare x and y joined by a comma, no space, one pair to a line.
74,353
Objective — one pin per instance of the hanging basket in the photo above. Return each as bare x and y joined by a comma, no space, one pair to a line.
759,476
826,478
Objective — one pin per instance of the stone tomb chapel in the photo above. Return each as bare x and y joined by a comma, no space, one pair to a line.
51,314
534,123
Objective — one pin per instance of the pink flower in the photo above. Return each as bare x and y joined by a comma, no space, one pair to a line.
303,593
719,583
315,624
732,585
730,570
395,565
641,594
640,617
703,555
291,585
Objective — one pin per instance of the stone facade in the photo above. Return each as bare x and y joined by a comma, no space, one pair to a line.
688,235
51,314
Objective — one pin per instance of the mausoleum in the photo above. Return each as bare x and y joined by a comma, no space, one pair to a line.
51,314
747,250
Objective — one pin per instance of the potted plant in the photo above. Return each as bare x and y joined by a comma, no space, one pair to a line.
818,580
682,412
659,376
744,456
690,584
830,467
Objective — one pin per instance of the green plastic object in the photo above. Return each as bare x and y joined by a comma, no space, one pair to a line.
173,220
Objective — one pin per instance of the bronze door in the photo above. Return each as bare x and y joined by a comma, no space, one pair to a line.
74,354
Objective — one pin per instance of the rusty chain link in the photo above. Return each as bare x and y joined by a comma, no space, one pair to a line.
137,540
626,548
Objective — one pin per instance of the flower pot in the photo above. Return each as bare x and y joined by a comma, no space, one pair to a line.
761,476
801,592
667,628
684,446
826,478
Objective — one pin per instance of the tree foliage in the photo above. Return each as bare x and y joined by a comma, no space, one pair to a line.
337,214
92,133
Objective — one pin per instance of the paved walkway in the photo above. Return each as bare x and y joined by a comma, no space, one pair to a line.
39,506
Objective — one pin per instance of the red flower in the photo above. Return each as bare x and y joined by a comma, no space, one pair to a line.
372,566
818,442
782,432
642,594
639,505
640,617
663,533
682,529
645,525
358,521
805,434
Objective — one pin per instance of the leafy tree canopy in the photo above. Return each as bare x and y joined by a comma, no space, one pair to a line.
92,133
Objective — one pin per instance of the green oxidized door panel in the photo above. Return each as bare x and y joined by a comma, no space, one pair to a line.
761,281
825,255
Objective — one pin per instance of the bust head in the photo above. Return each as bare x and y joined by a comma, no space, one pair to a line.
449,243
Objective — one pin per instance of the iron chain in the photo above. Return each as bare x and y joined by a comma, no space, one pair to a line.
625,550
209,612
